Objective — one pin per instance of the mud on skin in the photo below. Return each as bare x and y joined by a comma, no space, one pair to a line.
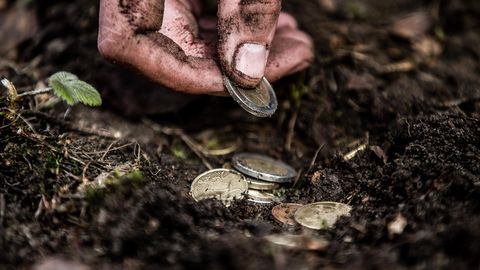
143,15
253,17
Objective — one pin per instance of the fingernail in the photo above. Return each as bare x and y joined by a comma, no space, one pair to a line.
251,59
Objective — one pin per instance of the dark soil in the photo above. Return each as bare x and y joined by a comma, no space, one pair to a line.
409,92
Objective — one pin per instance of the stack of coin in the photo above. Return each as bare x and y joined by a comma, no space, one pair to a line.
257,176
264,175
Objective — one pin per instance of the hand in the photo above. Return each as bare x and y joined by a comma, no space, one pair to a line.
170,43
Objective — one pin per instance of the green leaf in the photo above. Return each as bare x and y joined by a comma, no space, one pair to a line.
68,87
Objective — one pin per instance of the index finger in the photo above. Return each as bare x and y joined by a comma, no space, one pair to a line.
130,35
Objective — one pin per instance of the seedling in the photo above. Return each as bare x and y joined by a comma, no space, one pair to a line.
64,85
297,91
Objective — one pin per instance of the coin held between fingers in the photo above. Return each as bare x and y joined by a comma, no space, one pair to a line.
260,101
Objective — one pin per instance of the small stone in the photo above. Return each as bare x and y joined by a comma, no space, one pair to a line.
397,225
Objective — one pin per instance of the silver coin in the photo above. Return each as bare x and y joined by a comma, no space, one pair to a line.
321,215
263,168
258,196
260,101
222,184
261,185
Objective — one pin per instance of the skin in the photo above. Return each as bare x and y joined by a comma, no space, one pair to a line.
172,44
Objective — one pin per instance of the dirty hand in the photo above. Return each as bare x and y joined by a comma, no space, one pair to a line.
170,43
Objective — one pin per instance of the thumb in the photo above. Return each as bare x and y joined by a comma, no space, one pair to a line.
246,29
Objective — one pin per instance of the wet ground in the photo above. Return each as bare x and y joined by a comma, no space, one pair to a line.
399,82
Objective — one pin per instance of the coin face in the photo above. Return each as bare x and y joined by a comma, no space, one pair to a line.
222,184
263,168
285,212
258,196
260,101
321,215
261,185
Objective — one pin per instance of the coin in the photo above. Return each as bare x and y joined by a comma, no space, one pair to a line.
261,185
222,184
284,213
258,196
298,241
321,215
260,101
263,168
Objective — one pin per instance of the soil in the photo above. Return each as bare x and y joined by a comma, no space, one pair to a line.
397,81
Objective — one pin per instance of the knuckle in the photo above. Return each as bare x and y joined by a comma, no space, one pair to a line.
259,15
106,48
102,49
261,6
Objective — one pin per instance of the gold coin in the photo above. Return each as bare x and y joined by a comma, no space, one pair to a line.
321,215
285,212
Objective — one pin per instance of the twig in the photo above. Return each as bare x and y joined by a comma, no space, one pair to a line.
108,150
35,92
297,178
312,162
12,99
354,152
195,149
2,208
350,196
27,123
28,162
136,153
84,173
69,126
67,112
75,177
41,142
314,158
39,208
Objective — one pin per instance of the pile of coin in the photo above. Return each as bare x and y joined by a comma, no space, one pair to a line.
265,176
258,177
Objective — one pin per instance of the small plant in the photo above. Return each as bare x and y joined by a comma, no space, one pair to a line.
297,91
178,151
64,85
